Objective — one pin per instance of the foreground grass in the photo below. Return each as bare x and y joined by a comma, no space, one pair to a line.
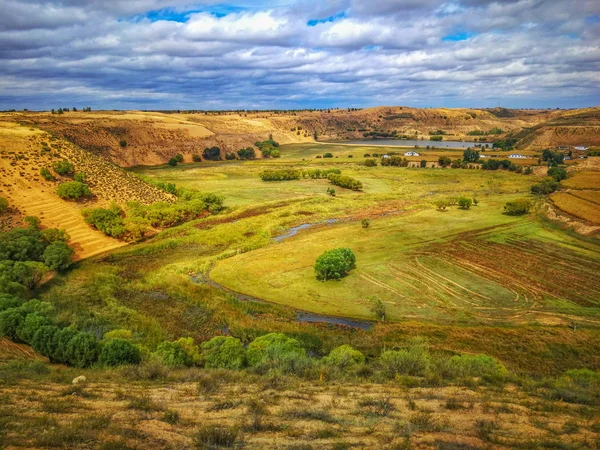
198,408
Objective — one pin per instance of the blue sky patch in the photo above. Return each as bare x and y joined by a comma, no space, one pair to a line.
459,36
314,22
174,15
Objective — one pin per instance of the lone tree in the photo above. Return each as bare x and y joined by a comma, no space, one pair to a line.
518,207
334,264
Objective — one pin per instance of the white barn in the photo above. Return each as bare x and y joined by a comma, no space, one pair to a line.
517,156
580,147
412,154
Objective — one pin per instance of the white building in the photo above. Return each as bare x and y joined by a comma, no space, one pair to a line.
411,154
580,147
517,156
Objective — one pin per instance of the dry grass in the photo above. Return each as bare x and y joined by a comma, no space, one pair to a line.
579,207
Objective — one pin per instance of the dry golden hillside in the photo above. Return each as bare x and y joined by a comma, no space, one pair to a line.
152,138
25,150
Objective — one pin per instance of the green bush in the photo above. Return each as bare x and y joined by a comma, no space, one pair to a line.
46,174
63,168
518,207
8,301
212,153
80,176
43,340
10,322
173,354
109,221
345,182
558,173
464,203
82,350
123,143
545,187
73,190
482,366
280,175
196,157
179,157
60,342
30,325
119,352
172,162
412,361
58,256
3,204
334,264
328,155
246,153
274,350
344,356
224,352
370,162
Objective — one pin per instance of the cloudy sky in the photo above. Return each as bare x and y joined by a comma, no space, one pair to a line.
154,54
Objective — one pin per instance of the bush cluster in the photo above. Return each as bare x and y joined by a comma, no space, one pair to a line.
63,168
518,207
280,175
316,174
73,190
546,186
269,148
345,181
246,153
394,161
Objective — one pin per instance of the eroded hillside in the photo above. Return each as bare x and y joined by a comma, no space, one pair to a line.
150,138
24,151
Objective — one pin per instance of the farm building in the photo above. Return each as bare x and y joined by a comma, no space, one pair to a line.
580,147
411,154
563,147
517,156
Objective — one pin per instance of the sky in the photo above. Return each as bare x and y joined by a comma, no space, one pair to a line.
294,54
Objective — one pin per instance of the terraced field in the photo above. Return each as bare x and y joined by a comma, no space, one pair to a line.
582,204
470,266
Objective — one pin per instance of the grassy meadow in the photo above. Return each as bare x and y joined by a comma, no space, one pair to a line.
476,281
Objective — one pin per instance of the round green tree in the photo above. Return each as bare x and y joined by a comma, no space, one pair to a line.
119,352
334,264
224,352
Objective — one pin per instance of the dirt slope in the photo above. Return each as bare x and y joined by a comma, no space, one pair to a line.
22,155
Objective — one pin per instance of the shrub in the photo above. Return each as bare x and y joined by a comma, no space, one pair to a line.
29,326
464,203
230,156
423,163
73,190
118,352
412,361
370,162
43,340
365,223
213,437
331,192
444,161
328,155
80,176
46,174
334,264
246,153
172,162
274,349
212,153
546,186
196,157
60,342
344,356
344,181
109,221
224,352
173,354
518,207
123,143
10,322
58,256
478,366
179,157
280,175
3,204
8,301
558,173
82,350
63,168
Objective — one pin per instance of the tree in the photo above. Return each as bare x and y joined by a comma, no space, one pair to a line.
73,190
43,340
331,192
109,221
196,157
172,162
465,203
344,356
441,204
224,352
471,155
246,153
58,256
423,163
370,162
60,342
518,207
82,350
444,161
212,153
10,321
365,223
119,352
30,325
3,204
123,143
179,157
328,155
173,354
546,186
334,264
558,173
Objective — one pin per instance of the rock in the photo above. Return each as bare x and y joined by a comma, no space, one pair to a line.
79,380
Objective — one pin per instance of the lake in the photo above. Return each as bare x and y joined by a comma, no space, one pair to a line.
411,143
